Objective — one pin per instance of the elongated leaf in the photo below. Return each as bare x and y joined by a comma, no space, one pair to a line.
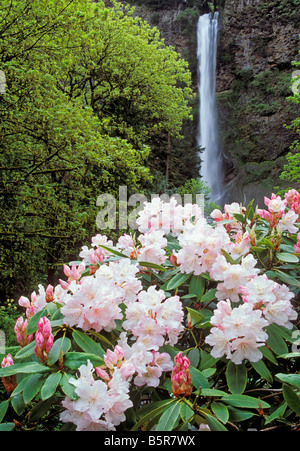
152,266
210,295
113,251
194,357
67,388
210,392
177,280
5,427
221,411
236,376
87,344
245,401
196,316
198,379
40,409
278,413
186,412
74,360
170,418
3,409
27,351
197,286
151,411
293,379
275,341
214,423
32,387
18,404
50,385
33,322
292,399
60,347
287,257
23,368
261,368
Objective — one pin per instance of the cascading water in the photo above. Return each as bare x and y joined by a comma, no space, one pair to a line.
211,166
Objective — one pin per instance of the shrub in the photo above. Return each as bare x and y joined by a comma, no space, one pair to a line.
190,325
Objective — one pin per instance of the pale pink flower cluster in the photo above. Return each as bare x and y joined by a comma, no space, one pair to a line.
92,305
272,299
229,211
95,255
100,405
277,216
21,332
166,216
293,200
36,303
232,277
237,333
147,365
153,319
200,245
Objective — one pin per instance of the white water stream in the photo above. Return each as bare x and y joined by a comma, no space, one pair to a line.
211,166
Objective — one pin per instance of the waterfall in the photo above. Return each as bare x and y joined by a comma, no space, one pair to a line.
211,166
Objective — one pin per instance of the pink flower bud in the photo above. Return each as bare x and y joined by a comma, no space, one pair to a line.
49,293
43,339
21,333
9,382
110,359
102,374
181,378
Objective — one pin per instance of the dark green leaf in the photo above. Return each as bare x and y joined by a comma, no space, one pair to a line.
23,368
33,322
197,286
74,360
177,280
275,341
245,401
32,387
236,376
221,411
291,397
87,344
50,385
261,368
3,409
67,388
170,418
27,351
292,379
59,348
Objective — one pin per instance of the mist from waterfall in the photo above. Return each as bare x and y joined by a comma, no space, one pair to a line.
211,166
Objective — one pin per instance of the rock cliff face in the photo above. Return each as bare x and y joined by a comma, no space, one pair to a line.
258,40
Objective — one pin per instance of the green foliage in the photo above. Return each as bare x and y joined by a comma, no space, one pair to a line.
291,171
87,88
226,396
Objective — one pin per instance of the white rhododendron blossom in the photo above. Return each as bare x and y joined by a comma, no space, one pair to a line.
100,405
183,283
238,332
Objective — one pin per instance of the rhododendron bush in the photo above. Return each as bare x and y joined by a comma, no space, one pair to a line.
190,324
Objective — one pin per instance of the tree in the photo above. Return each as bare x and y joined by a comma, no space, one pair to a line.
292,168
87,87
